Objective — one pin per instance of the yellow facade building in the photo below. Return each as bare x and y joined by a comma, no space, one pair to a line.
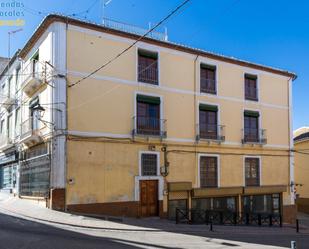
301,145
164,126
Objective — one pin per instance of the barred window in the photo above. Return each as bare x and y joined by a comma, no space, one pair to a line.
252,171
149,164
208,172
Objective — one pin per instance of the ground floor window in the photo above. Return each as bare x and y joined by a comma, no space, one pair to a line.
173,204
261,203
216,204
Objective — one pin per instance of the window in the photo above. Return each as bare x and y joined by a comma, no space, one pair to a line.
252,171
251,126
251,87
2,127
224,204
149,163
148,115
17,122
18,81
148,67
208,172
208,122
269,204
10,126
10,88
208,79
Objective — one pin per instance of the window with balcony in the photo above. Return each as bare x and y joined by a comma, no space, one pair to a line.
17,122
251,90
149,162
147,120
208,79
208,172
148,71
10,127
17,79
252,171
208,122
251,127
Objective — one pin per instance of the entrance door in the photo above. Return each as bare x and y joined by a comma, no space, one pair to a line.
149,198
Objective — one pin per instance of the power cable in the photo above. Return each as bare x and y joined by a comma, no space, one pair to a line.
129,47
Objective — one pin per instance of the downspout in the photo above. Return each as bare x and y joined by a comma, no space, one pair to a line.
291,144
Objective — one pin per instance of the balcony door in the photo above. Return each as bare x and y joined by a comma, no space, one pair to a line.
34,115
251,127
208,122
148,115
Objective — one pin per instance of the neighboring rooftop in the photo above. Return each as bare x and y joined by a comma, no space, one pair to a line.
124,31
301,134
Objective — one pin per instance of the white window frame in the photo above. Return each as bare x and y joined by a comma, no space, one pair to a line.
139,178
209,63
218,168
243,119
198,113
150,49
253,73
244,170
150,95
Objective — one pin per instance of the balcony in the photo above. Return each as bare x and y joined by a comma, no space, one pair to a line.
30,132
208,86
7,98
254,136
149,127
34,77
148,74
209,132
5,141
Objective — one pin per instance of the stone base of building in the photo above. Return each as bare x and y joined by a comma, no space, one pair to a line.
124,209
303,205
289,214
57,199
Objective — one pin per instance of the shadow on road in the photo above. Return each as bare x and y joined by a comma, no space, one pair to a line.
16,233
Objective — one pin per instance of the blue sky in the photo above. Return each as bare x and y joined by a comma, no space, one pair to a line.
275,33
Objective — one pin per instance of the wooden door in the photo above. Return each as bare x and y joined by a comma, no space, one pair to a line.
149,198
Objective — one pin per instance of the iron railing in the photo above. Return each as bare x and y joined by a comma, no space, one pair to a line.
133,29
208,86
32,70
200,216
210,132
147,126
253,135
148,74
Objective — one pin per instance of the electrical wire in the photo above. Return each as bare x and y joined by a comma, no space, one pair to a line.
132,45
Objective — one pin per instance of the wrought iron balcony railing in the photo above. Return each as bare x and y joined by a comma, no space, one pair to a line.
208,86
30,127
254,136
210,132
147,126
5,140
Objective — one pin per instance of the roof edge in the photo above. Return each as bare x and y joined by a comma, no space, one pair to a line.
49,19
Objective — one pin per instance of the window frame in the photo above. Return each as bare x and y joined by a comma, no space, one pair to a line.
149,49
248,75
260,170
157,153
218,169
201,64
259,122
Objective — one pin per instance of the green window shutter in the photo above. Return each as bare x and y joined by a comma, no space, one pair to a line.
250,76
252,114
206,66
204,107
146,53
148,99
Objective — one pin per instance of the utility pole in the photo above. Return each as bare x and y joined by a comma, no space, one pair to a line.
104,5
9,41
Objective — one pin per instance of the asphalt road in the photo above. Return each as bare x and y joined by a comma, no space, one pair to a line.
17,233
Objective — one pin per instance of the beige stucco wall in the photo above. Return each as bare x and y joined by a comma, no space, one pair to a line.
302,169
104,104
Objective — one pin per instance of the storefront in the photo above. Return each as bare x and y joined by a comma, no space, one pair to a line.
35,172
9,172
